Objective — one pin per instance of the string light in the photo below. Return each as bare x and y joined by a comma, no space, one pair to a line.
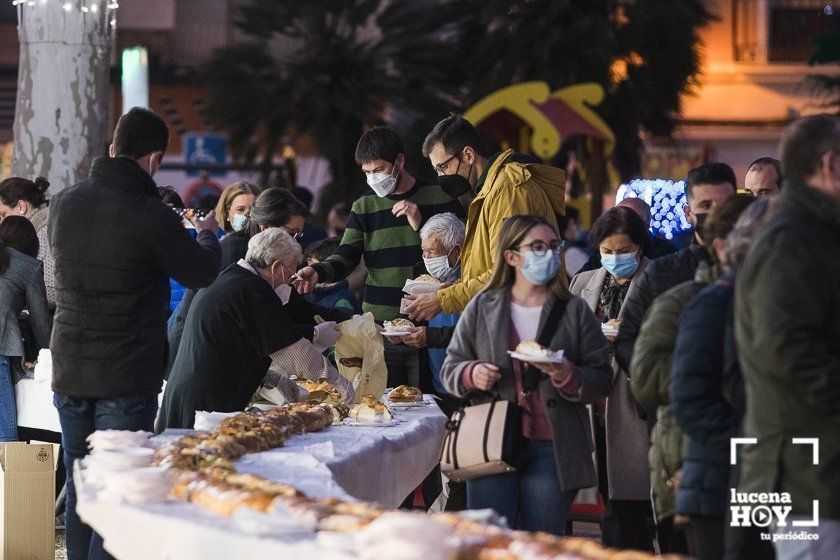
67,5
666,200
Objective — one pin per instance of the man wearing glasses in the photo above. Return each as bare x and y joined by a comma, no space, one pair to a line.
502,186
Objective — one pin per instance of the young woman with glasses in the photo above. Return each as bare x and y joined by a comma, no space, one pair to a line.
556,451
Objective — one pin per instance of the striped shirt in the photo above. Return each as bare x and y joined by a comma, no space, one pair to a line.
388,244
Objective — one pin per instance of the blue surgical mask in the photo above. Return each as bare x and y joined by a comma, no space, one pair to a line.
623,265
540,270
238,222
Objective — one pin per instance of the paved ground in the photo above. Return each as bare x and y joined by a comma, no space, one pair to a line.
60,549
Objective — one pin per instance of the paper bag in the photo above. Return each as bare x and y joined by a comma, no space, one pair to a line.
360,338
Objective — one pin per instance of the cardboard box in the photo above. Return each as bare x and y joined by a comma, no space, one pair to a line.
27,499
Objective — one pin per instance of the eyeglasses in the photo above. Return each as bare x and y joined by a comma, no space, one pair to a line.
295,234
540,248
442,165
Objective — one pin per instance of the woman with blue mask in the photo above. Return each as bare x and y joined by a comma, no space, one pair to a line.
235,205
622,442
527,300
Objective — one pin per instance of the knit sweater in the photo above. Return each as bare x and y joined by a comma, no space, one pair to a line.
388,244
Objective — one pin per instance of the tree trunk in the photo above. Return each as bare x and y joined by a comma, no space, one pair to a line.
62,99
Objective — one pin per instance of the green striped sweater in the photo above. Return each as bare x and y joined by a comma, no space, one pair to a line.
388,244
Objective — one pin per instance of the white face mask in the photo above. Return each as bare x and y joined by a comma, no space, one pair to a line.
383,184
439,267
283,291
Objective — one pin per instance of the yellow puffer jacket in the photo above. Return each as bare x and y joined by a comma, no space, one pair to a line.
510,189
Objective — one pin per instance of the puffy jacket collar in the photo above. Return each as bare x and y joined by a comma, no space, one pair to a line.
824,207
123,172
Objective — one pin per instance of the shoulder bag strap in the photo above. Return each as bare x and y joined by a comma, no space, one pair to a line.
531,375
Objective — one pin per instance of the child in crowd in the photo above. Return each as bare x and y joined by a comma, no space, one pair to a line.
337,294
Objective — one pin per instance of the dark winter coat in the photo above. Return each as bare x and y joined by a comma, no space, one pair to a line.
787,323
115,245
699,367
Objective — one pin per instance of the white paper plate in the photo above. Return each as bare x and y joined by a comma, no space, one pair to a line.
406,404
355,423
609,330
415,288
395,333
557,358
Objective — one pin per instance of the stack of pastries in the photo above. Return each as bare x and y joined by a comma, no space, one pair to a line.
247,432
223,493
208,479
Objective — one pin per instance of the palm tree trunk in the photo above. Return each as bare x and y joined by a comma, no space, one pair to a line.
61,115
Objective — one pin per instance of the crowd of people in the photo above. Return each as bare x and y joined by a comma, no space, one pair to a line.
735,335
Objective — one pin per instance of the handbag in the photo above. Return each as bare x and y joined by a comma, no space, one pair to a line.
484,439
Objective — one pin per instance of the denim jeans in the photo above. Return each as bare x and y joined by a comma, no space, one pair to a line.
530,497
79,418
403,364
8,406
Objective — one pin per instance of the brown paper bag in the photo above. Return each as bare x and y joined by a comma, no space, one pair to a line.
360,338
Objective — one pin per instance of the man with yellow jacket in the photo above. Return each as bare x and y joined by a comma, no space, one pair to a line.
503,186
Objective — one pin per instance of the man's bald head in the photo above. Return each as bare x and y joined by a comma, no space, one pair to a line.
638,206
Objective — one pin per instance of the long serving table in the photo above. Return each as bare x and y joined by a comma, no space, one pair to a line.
368,463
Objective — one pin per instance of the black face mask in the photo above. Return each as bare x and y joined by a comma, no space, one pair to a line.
455,185
701,221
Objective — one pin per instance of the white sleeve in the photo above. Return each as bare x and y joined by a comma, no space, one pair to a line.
303,360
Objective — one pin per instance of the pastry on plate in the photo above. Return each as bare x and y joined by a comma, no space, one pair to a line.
371,414
426,278
533,348
398,325
320,391
404,393
370,400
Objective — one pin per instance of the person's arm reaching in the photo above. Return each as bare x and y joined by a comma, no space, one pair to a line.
303,360
344,261
511,201
194,263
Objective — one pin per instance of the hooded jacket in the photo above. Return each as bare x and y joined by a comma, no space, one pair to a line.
509,189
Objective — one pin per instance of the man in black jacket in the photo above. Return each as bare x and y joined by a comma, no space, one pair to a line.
705,187
116,244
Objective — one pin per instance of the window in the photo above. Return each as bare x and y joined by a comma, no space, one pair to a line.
794,26
745,39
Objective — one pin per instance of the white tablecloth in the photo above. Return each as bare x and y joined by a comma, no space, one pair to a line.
35,405
382,464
